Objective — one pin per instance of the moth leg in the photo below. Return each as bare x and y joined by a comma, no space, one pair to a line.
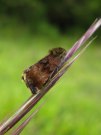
54,72
33,89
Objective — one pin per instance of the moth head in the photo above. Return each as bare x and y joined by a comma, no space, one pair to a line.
24,76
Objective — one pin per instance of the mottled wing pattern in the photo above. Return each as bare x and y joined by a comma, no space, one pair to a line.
37,75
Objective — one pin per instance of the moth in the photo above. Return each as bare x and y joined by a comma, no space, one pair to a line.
37,75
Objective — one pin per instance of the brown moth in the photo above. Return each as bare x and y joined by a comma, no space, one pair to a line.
37,75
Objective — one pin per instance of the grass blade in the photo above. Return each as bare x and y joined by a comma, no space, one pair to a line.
32,101
58,75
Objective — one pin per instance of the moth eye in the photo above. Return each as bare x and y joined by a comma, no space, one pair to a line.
24,76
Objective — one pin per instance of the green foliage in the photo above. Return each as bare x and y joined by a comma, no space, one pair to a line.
74,109
63,14
74,106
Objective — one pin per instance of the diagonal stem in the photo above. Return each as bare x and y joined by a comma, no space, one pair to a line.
28,105
57,76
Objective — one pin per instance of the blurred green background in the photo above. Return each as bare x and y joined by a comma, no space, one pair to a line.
28,29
